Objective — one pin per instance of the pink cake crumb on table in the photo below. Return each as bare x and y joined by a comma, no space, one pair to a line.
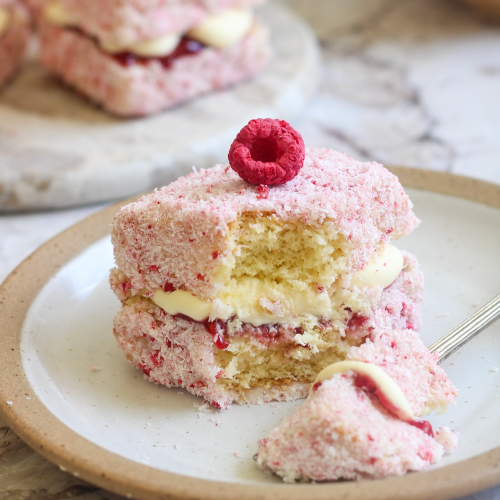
147,87
343,432
14,38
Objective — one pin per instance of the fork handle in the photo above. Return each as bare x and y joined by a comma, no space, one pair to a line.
483,318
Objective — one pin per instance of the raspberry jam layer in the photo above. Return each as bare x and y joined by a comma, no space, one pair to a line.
187,47
218,330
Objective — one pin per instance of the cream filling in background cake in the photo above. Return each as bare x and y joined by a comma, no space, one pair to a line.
219,31
252,300
4,20
224,29
156,47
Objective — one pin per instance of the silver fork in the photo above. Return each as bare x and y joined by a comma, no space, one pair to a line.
467,330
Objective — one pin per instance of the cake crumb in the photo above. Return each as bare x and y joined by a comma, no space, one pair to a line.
204,407
95,368
494,369
237,454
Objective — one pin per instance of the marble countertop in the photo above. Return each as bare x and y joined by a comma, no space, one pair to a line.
408,82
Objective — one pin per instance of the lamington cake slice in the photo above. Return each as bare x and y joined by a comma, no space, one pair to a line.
244,293
14,37
136,58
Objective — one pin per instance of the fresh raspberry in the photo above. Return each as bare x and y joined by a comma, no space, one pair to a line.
267,151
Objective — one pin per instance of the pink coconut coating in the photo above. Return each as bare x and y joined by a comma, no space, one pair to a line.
403,356
124,23
167,235
14,40
143,89
176,352
398,306
344,432
179,353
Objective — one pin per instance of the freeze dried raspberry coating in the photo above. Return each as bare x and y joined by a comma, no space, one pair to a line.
267,151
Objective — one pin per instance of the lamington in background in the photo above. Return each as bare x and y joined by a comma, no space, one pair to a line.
14,36
136,58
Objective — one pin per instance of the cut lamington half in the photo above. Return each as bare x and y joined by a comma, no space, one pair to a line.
14,36
243,294
239,293
136,59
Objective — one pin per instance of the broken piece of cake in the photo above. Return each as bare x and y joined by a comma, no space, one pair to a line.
244,293
360,418
136,59
14,37
344,430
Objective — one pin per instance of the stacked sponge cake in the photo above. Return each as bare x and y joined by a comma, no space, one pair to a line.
243,294
14,36
139,57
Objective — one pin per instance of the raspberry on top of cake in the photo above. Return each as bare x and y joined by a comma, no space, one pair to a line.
243,292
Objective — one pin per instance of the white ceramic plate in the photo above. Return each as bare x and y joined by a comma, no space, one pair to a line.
67,333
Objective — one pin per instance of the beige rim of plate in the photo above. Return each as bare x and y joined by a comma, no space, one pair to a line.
47,435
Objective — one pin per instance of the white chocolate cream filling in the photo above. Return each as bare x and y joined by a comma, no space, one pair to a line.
219,31
384,384
258,302
382,269
251,301
4,20
224,29
155,47
182,302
